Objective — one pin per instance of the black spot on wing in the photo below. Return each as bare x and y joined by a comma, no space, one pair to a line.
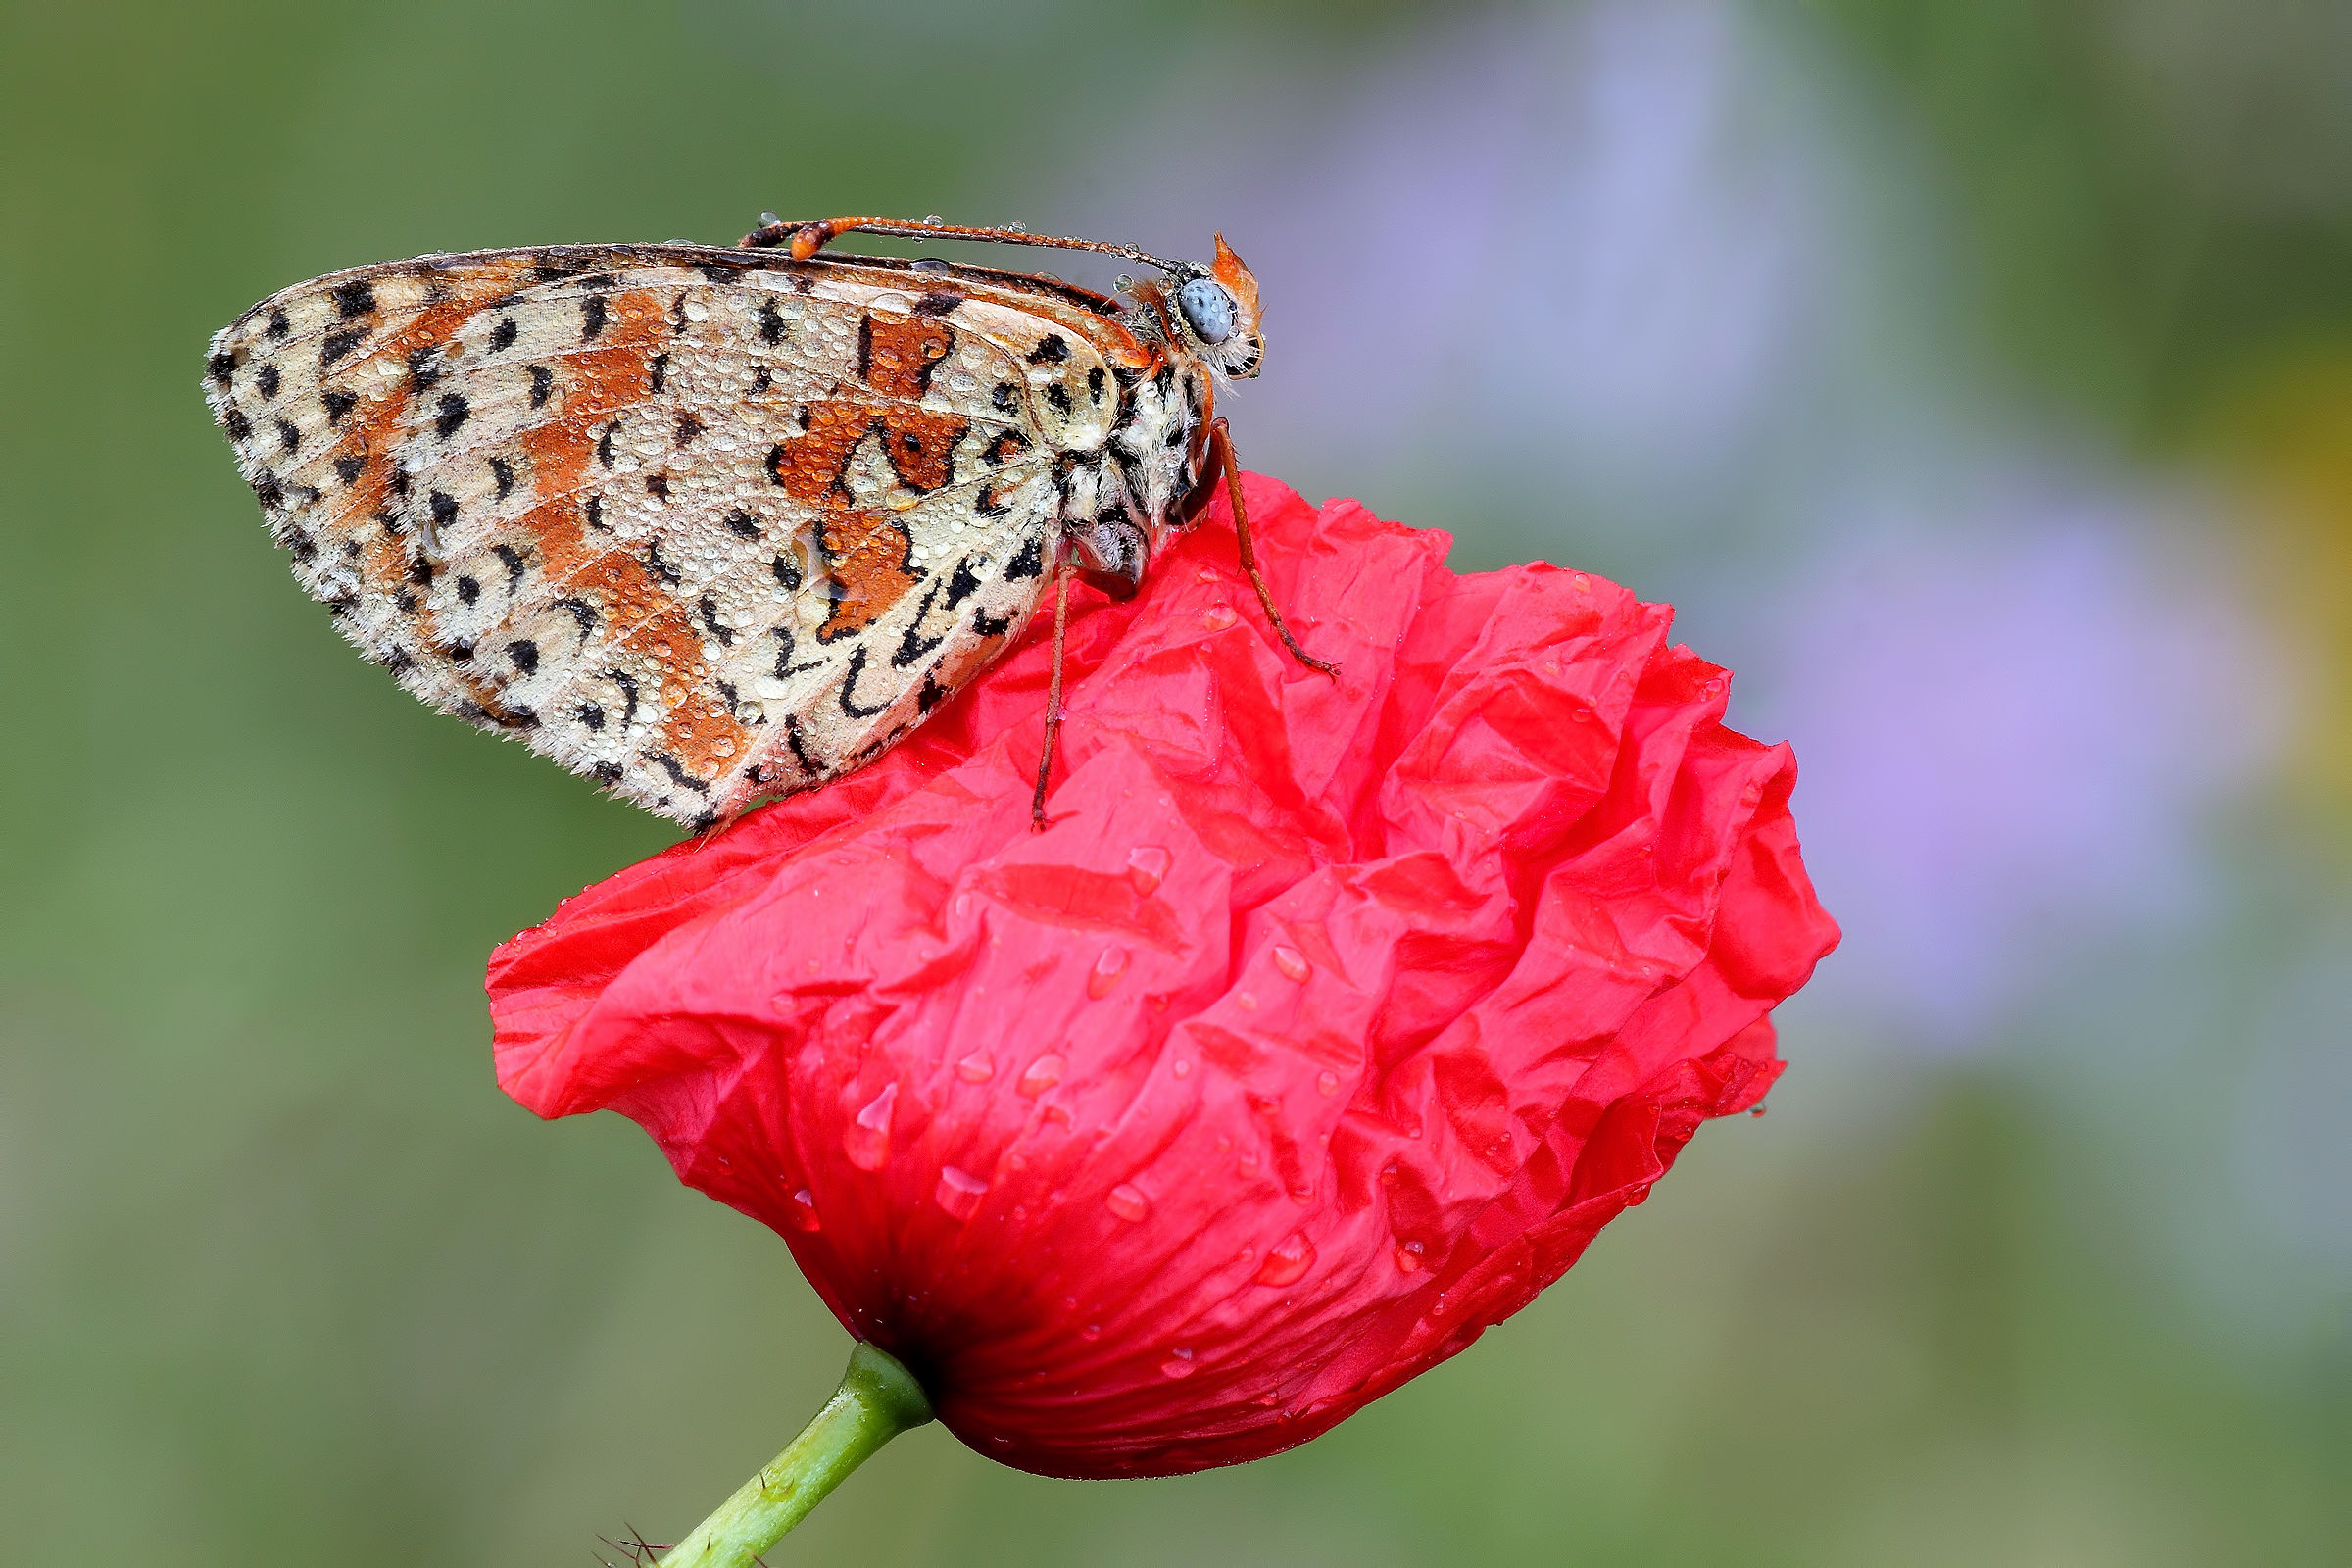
452,412
543,382
912,645
502,474
1052,349
849,686
962,585
1030,562
502,336
677,773
338,403
592,316
264,381
354,300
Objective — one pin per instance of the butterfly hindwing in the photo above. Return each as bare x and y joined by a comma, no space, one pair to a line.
702,525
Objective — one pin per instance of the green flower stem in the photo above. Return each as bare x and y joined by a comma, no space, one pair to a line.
877,1400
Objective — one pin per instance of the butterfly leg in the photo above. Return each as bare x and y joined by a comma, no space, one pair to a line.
1221,453
1044,760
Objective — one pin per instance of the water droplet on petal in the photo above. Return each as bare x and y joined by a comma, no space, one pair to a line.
1043,1074
1145,866
866,1140
1182,1069
1292,962
959,1192
1216,617
1245,1001
1107,969
976,1068
1327,1082
802,1211
1092,1330
1179,1363
1408,1256
1287,1260
1128,1202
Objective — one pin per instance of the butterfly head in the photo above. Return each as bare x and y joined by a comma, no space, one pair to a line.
1213,311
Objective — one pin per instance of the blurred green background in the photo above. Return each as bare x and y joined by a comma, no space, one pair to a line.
1978,379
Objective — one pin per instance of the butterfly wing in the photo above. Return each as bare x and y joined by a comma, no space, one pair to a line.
702,525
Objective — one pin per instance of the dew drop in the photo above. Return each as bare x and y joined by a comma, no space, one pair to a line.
928,264
1216,617
1182,1069
1327,1082
1292,962
1179,1363
803,1211
1107,969
1092,1330
866,1139
959,1192
1287,1260
1245,1001
976,1068
1043,1074
1408,1256
1128,1202
1147,865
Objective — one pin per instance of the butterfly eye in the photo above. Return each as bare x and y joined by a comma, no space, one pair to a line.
1208,309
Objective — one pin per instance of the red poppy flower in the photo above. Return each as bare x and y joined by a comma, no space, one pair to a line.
1323,1027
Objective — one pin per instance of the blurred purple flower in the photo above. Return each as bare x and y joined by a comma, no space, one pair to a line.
2016,770
1570,247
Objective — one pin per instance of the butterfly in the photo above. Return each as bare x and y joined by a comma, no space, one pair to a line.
712,524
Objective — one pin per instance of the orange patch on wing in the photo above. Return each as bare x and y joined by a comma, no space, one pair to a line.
898,357
810,465
922,445
867,556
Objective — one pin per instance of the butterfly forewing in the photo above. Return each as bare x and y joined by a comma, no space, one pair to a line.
703,526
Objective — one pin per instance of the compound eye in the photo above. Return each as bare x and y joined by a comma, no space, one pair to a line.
1208,309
